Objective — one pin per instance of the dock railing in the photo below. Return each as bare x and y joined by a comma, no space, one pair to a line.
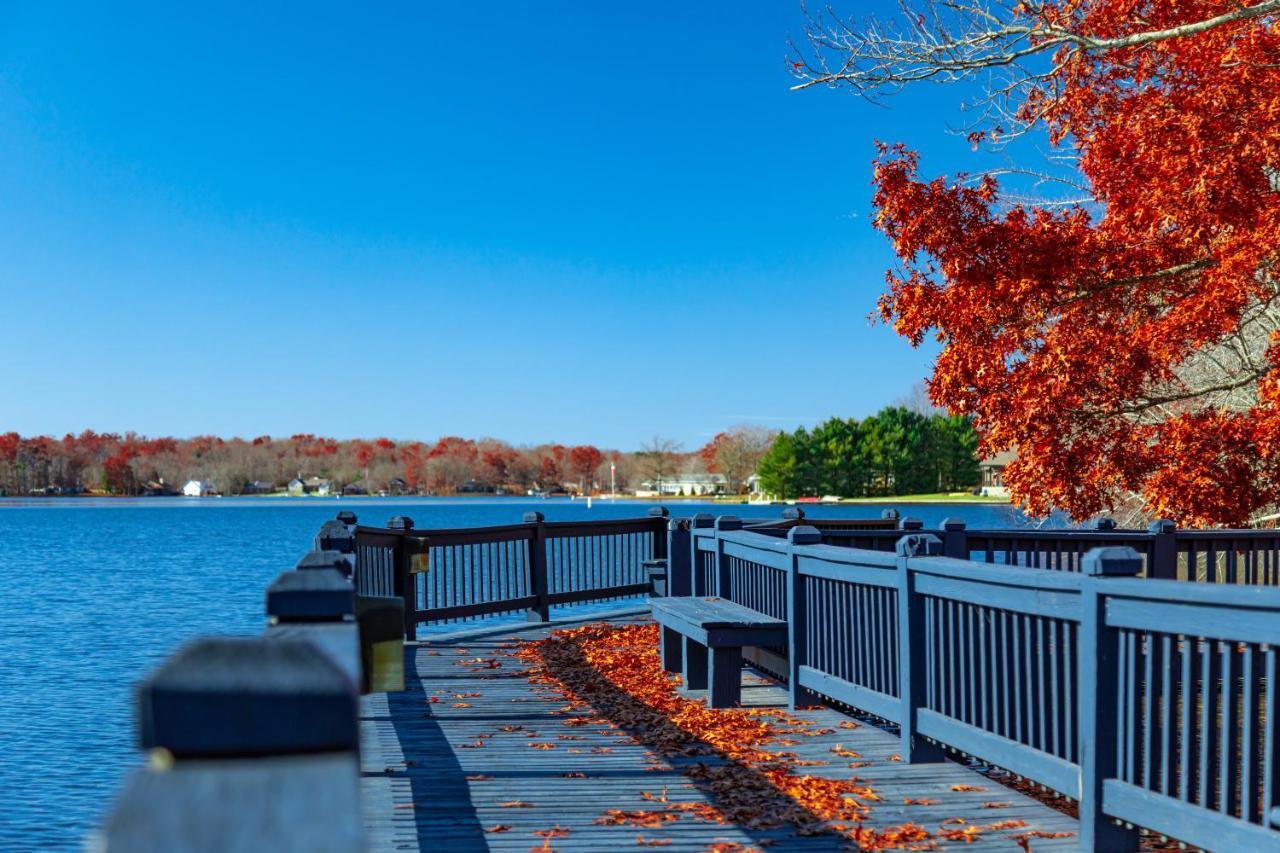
1228,556
1151,702
469,573
253,742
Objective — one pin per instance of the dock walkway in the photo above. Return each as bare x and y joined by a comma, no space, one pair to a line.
459,773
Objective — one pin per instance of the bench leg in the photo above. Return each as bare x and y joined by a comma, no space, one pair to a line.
695,665
726,677
672,650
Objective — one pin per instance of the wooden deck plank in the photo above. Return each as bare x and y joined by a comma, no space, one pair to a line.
417,757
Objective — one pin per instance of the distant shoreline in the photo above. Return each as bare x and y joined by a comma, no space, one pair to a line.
666,499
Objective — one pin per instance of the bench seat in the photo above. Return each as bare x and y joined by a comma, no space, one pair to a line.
703,639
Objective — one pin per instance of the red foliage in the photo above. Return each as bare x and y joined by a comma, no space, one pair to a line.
1063,328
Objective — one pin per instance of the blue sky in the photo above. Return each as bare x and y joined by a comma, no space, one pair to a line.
574,222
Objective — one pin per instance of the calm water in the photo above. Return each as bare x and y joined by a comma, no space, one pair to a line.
98,592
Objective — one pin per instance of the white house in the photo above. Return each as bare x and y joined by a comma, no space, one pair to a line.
198,488
683,484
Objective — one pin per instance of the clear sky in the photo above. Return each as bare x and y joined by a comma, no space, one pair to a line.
535,221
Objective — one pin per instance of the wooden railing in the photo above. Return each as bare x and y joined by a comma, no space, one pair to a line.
253,742
1152,702
468,573
1167,552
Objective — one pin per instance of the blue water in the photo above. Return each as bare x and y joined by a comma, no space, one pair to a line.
98,592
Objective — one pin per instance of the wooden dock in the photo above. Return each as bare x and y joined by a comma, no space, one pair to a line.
459,773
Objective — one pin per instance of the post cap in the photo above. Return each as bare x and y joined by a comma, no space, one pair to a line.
1161,525
803,534
952,524
533,517
659,511
334,536
346,516
1111,561
728,522
325,560
919,545
400,522
320,595
889,513
793,512
911,524
702,519
230,697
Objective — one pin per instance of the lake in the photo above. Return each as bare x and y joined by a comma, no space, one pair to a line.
100,591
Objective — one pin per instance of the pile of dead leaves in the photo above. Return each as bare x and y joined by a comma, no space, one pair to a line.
612,675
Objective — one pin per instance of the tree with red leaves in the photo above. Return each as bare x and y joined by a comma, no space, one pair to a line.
585,459
1125,339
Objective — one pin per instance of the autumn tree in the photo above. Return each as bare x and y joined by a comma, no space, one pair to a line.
658,459
735,454
584,460
1114,317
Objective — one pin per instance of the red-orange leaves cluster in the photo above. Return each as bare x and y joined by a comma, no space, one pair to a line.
612,677
1122,346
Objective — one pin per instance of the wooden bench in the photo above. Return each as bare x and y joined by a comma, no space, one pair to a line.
702,638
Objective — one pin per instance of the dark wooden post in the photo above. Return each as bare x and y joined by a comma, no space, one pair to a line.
537,562
793,514
335,536
911,524
1099,664
679,557
403,585
1164,550
724,523
797,611
1104,525
701,521
955,542
912,674
889,513
659,514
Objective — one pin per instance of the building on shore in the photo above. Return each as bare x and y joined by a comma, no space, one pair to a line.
691,484
198,489
992,471
309,486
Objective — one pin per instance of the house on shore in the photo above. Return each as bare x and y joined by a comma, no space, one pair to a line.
992,468
198,489
309,486
687,485
258,487
354,489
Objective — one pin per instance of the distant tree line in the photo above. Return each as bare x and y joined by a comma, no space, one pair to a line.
130,464
897,451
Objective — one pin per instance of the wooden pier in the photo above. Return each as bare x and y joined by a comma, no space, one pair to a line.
1134,673
428,785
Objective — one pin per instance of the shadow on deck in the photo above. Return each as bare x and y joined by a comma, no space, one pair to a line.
460,773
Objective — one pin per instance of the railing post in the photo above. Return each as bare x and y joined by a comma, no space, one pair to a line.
889,514
659,514
541,610
912,643
1098,673
724,523
955,542
911,524
700,521
679,557
1164,550
1104,525
402,576
797,604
